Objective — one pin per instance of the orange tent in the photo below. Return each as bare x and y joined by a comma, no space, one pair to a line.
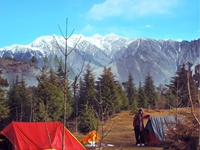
92,136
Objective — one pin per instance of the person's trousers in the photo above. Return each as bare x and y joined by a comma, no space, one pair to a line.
138,135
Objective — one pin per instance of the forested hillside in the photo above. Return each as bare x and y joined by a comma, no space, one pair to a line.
91,100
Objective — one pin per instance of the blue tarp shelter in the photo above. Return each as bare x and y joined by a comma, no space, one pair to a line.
155,128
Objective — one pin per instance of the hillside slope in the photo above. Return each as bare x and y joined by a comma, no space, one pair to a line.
11,69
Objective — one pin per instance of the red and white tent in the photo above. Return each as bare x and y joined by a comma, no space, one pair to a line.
40,136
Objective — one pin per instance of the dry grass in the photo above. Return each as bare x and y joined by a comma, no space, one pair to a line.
121,133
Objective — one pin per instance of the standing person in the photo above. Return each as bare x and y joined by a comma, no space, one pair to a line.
138,125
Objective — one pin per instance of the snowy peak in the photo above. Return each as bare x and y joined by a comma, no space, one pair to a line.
97,36
44,44
105,43
112,37
135,56
50,44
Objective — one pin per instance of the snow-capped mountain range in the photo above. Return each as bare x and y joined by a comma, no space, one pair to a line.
139,56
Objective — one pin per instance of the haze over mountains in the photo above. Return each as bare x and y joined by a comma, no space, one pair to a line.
136,56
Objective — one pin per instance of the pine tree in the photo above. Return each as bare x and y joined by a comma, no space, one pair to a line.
162,101
24,101
60,70
124,102
87,120
196,75
178,86
41,95
142,97
13,96
33,104
19,101
87,91
170,99
131,93
80,98
111,99
49,96
57,98
56,62
4,109
150,91
86,102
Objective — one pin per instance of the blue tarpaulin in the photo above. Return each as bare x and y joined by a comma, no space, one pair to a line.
158,125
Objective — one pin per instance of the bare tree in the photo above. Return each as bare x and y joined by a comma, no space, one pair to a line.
100,115
66,53
192,106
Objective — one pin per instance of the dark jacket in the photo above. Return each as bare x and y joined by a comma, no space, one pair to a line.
136,119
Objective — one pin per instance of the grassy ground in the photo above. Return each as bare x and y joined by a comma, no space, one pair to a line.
120,131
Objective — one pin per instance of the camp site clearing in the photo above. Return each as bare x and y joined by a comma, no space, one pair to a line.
121,133
118,133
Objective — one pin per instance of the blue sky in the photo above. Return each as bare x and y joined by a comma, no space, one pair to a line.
22,21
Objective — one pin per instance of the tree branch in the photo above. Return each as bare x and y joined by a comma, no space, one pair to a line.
192,107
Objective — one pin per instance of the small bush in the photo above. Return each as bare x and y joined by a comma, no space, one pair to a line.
182,136
87,121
